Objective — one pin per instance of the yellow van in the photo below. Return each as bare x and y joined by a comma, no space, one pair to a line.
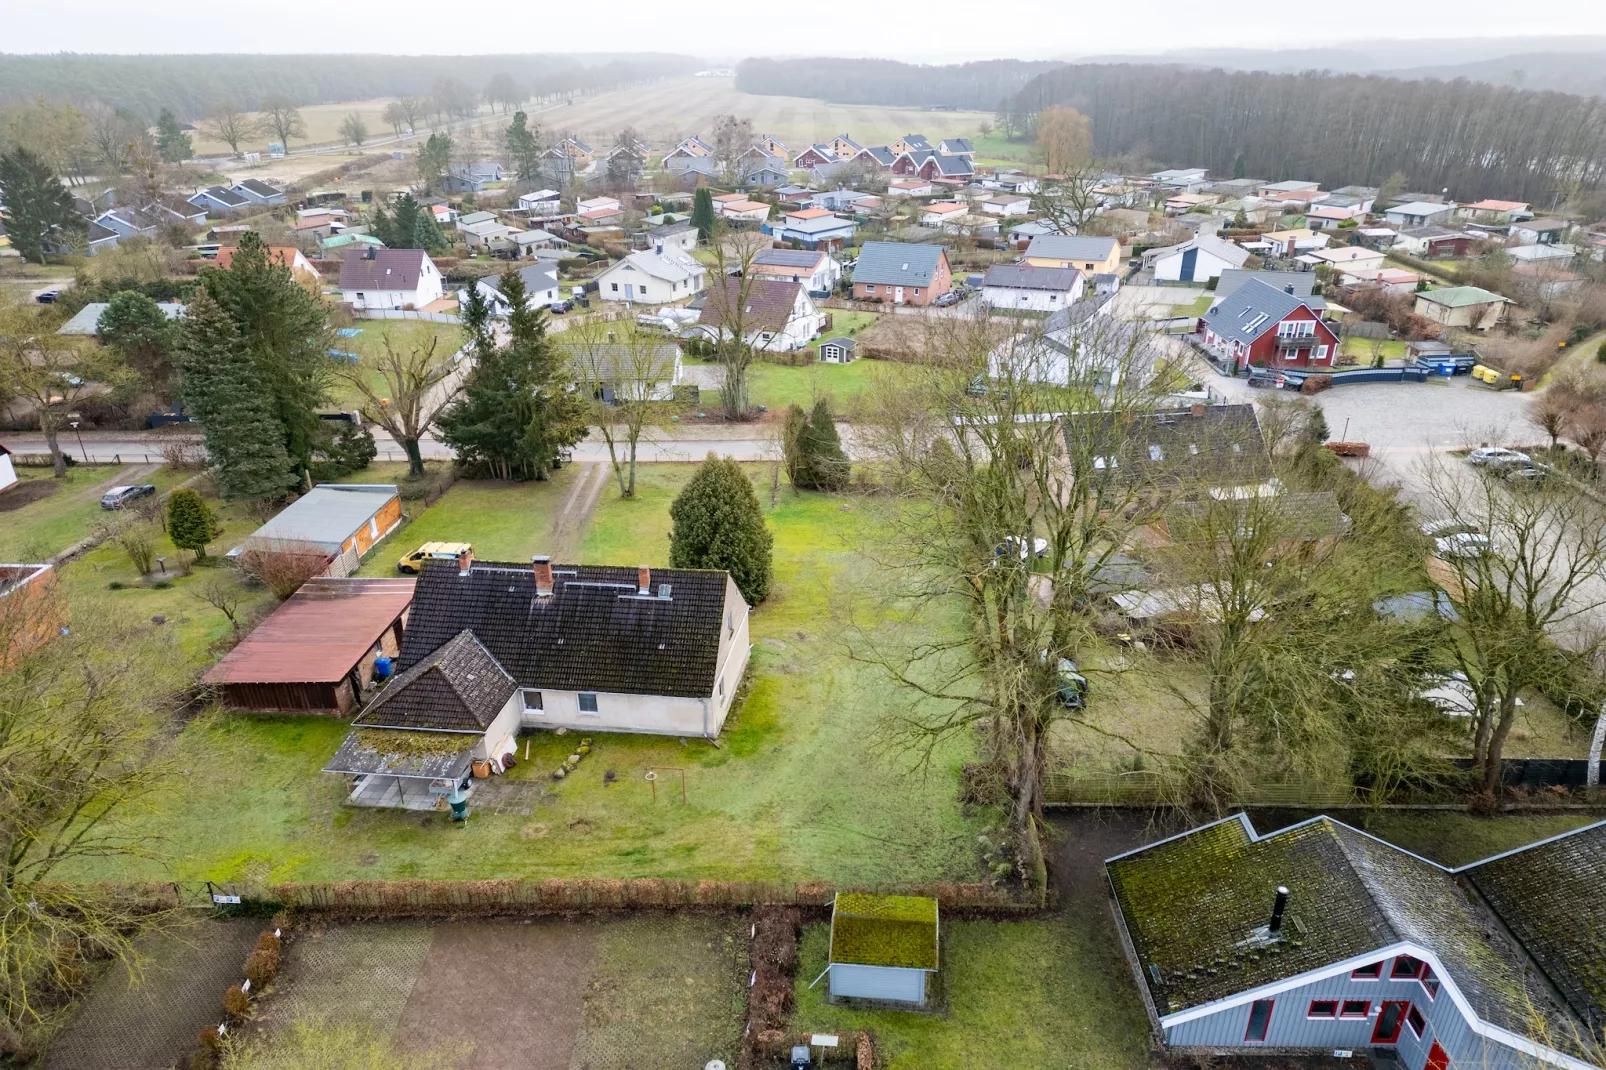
413,563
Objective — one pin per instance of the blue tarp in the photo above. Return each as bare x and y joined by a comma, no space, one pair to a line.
349,332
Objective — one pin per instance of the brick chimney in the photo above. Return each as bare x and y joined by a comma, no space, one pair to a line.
541,565
643,579
465,560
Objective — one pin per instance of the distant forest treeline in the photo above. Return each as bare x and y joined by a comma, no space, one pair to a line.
192,85
1478,140
881,81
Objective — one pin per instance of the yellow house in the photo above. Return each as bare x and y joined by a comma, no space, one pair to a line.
1092,255
845,147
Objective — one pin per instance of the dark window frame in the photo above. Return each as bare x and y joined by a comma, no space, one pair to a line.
585,696
1364,1012
1373,972
1331,1010
1411,964
1415,1019
1265,1025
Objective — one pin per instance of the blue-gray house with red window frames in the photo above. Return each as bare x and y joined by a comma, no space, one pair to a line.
1320,937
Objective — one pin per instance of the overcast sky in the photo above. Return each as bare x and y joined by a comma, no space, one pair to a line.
933,31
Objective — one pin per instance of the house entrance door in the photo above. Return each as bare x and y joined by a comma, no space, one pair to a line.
1389,1020
1189,259
630,292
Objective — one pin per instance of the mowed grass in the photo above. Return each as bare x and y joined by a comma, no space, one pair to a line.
403,336
776,386
322,123
795,790
48,525
504,521
1048,994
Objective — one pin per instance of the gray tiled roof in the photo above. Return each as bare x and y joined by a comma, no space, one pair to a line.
382,269
1192,905
457,687
798,258
1232,278
1219,446
1070,247
326,516
1238,317
1552,896
897,264
1026,277
593,633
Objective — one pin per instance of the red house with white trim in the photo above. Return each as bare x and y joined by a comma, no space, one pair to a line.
1263,327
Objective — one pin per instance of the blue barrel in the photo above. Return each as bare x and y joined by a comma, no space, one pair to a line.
382,667
459,801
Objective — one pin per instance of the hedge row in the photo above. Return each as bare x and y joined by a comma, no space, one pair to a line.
521,896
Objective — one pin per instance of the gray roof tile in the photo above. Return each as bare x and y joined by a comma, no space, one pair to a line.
897,264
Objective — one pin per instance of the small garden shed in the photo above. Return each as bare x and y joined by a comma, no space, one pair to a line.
883,946
838,350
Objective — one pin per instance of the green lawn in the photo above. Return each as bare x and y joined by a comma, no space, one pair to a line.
776,386
1048,994
49,525
1361,349
1455,838
402,335
796,790
504,521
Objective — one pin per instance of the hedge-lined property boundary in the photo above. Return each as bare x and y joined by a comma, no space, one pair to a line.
404,898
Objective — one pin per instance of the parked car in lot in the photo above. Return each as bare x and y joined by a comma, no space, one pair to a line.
118,497
1021,548
1438,529
560,307
952,297
1529,473
1496,455
413,563
1463,545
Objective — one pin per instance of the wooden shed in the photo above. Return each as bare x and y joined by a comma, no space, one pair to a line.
315,653
883,946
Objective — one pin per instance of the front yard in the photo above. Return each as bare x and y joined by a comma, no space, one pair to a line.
795,789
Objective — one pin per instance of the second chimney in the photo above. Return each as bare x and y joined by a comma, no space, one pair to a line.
643,579
465,560
541,565
1277,910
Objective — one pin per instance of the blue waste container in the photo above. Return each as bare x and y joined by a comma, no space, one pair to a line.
382,667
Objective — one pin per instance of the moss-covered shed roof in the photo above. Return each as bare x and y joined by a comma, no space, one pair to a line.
884,930
1552,896
1196,907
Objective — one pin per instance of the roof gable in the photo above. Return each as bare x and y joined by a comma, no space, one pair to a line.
898,931
1253,309
770,303
458,687
897,264
593,633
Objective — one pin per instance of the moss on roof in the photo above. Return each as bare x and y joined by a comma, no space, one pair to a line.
1552,896
884,930
1192,902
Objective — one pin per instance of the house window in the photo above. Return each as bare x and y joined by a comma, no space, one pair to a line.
615,286
1430,983
1405,969
1156,453
643,290
730,622
721,687
1367,973
869,288
1355,1008
917,291
1418,1024
1321,351
1323,1008
532,700
1259,1021
588,702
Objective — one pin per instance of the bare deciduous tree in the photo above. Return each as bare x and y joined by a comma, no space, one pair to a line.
283,119
416,387
229,124
629,374
1525,607
223,595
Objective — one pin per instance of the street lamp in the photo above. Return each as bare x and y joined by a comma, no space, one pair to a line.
75,431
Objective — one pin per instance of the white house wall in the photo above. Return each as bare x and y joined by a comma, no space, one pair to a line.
1206,266
657,714
1034,300
878,982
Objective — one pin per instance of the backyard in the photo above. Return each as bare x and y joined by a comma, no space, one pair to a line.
795,790
42,515
403,335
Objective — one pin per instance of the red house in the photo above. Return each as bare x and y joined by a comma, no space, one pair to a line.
1265,327
814,156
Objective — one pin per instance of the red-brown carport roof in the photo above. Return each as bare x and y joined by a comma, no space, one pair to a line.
317,635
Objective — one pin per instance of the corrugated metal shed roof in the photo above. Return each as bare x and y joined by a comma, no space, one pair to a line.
317,635
326,516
